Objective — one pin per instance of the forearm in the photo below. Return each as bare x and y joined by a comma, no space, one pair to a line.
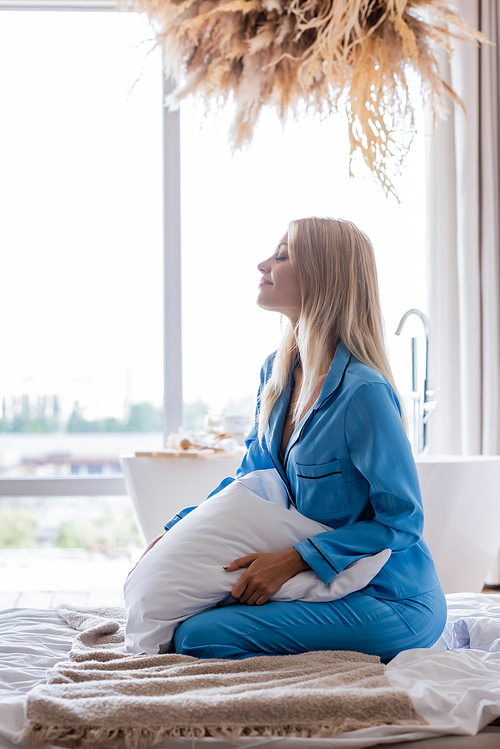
294,562
331,552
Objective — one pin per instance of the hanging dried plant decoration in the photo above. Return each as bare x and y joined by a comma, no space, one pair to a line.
324,54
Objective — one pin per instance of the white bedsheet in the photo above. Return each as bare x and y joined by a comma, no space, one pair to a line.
457,691
473,621
31,641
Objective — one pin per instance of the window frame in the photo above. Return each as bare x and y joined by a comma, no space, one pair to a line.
75,486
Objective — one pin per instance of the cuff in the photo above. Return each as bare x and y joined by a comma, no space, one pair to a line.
316,561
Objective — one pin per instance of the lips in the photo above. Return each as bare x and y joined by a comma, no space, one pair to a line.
263,282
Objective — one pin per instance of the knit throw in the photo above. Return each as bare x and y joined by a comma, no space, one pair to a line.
102,695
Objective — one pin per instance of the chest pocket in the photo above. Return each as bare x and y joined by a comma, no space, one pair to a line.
321,492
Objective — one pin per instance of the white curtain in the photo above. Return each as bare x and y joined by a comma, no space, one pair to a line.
463,247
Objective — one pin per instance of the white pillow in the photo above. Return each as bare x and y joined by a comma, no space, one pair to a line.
183,573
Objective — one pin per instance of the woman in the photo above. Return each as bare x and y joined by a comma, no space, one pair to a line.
329,421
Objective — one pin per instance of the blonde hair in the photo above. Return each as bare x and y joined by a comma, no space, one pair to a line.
335,266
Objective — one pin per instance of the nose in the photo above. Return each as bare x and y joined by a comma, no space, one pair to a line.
264,266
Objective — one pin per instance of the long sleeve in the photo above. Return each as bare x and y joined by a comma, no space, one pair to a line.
380,451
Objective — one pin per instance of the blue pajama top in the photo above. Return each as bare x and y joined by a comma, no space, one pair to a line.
349,465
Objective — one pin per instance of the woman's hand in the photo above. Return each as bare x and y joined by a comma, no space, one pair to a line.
265,574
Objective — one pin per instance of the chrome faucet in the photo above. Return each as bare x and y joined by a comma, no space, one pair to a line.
420,418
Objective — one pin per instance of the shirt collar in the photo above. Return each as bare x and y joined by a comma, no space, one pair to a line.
331,383
335,373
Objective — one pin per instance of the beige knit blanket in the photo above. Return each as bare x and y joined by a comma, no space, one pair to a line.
102,695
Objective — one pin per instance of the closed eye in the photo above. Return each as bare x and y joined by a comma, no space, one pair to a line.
281,251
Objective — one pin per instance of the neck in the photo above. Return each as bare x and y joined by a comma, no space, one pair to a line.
325,360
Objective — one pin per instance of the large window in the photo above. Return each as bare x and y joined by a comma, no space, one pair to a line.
81,236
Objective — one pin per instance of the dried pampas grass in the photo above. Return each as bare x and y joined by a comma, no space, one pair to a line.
324,54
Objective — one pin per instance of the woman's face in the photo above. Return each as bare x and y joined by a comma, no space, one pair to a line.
279,287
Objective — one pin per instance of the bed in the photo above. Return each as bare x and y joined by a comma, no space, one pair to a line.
455,686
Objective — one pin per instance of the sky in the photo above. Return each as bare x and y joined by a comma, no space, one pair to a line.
81,228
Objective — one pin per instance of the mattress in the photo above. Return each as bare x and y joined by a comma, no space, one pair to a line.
455,685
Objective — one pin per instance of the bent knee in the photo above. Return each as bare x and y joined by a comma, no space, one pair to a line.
190,638
211,635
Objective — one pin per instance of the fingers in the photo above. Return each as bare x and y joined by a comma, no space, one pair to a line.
256,599
251,591
252,597
259,581
239,589
240,562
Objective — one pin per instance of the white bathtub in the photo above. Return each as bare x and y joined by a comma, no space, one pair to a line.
461,498
161,486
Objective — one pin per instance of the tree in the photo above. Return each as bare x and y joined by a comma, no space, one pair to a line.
77,421
111,533
18,528
144,417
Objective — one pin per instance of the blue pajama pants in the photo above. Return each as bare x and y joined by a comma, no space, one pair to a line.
357,622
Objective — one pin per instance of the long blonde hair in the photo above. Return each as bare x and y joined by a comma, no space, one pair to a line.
335,265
